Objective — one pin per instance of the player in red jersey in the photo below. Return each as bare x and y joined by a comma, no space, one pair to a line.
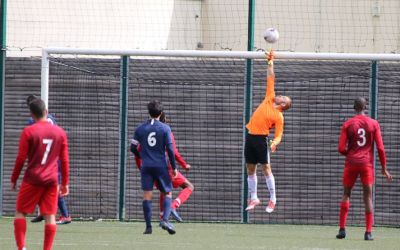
65,217
356,142
43,144
178,181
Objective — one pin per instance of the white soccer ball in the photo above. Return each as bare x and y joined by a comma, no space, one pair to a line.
271,35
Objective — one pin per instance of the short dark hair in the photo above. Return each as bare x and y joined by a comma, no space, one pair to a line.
360,104
37,108
30,98
155,108
162,117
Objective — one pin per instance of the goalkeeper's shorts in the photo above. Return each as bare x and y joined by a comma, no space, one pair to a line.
256,149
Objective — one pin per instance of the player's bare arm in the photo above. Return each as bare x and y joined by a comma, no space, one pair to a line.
273,146
13,186
64,190
387,175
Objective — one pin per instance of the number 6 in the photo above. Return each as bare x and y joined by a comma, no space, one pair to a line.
151,140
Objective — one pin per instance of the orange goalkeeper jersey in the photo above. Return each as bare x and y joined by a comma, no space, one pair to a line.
266,116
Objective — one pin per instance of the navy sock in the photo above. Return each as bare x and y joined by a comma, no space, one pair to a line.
167,207
62,205
147,212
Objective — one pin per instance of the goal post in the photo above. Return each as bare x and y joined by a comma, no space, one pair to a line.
192,102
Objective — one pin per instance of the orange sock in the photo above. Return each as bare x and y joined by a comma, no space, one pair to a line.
369,220
344,210
49,235
19,232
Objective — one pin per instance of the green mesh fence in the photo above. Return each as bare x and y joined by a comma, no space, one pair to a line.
204,102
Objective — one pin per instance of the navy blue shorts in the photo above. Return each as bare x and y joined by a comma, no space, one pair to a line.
156,174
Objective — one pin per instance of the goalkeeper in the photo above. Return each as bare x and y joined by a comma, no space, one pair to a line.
268,115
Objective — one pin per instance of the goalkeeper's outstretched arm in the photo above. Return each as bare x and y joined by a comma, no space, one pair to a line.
270,62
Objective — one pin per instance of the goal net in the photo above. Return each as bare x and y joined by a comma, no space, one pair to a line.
204,99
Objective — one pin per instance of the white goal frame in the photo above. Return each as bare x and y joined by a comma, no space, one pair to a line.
46,52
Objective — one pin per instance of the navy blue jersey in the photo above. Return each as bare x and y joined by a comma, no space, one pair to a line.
50,119
154,138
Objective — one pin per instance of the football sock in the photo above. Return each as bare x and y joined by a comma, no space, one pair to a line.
62,205
344,210
252,183
147,212
182,197
19,232
270,180
167,207
49,235
162,196
369,220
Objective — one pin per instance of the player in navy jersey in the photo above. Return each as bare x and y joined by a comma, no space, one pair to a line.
178,181
65,218
356,142
43,144
154,138
50,117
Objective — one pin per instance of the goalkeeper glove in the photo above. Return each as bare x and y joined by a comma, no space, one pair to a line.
270,57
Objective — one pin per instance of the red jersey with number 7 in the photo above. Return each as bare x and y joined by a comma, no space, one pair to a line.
357,139
43,144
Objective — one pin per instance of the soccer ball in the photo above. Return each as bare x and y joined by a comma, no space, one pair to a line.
271,35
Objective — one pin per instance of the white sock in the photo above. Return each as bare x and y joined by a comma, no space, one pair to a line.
252,183
270,180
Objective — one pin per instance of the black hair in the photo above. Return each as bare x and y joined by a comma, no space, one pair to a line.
30,98
360,104
163,118
155,108
37,108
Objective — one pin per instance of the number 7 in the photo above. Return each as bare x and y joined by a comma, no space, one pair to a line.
48,143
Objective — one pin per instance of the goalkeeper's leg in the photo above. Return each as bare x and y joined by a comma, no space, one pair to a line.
270,181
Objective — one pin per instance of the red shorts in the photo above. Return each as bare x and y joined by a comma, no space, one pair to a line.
351,173
29,196
178,180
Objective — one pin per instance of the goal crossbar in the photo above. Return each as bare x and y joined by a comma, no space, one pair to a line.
200,53
223,54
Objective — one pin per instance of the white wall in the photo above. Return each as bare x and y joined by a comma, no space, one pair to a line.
150,24
366,26
306,25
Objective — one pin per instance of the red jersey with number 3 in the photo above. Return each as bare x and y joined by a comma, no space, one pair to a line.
43,144
357,141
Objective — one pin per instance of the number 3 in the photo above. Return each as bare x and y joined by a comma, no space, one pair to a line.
151,140
361,133
48,143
